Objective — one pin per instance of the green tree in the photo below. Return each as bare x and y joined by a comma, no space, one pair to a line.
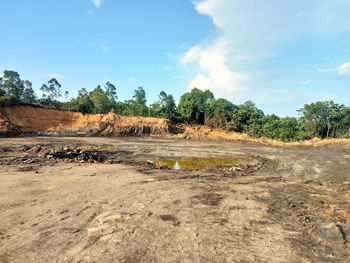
102,103
66,95
81,103
111,91
139,103
140,96
282,129
220,112
54,89
51,91
324,119
12,85
29,95
82,91
193,106
244,116
155,109
167,106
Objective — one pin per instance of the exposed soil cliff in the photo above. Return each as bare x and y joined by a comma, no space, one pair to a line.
28,119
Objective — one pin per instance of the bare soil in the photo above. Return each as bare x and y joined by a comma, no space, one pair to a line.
97,200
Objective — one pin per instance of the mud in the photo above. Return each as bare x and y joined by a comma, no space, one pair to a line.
98,200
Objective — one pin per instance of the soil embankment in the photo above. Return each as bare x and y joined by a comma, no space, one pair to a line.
24,119
31,119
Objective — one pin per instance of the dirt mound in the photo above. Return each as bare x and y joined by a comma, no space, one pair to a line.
49,154
204,132
28,119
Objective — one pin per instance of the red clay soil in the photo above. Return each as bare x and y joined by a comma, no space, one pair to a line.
29,119
26,119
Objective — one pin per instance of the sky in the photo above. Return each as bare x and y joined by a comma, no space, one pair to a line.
281,54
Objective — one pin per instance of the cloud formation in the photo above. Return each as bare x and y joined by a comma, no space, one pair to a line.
344,69
253,30
215,74
97,3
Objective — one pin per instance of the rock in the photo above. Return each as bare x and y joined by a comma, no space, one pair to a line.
332,233
233,169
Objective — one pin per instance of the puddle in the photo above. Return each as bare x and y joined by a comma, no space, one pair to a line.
202,163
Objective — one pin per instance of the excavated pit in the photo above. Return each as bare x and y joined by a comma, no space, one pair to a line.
97,199
97,195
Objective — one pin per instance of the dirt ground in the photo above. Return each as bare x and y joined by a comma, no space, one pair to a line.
114,207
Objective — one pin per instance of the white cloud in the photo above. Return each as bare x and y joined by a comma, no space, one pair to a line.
215,74
266,24
97,3
344,69
131,79
253,30
255,56
56,76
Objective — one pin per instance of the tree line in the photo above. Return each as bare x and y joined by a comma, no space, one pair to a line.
322,119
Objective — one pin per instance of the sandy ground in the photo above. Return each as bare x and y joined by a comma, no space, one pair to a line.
296,209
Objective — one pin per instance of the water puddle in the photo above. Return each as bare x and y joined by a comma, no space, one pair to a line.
202,163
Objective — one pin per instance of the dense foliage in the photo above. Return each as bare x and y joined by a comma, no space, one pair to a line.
320,119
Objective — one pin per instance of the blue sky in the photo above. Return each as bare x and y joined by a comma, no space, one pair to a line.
280,54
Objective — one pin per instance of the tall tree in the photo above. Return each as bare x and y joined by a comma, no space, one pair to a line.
193,106
324,118
29,95
102,104
82,103
245,115
140,96
66,95
111,91
167,106
82,91
52,90
12,85
220,113
140,102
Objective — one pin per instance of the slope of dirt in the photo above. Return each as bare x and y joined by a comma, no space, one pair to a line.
29,119
26,119
204,132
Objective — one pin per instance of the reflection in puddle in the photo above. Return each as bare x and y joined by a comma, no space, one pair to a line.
202,163
177,166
